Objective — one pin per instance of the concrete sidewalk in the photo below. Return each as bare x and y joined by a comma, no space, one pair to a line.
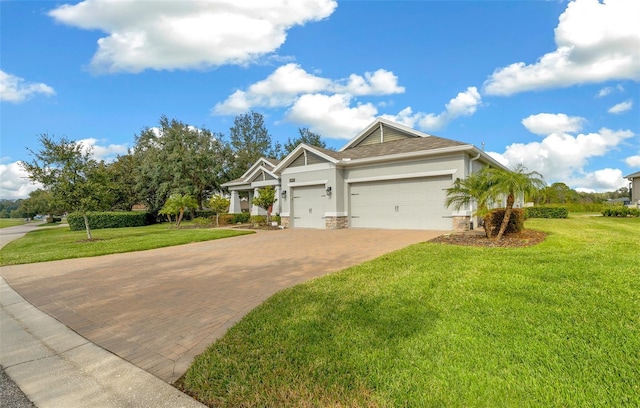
56,367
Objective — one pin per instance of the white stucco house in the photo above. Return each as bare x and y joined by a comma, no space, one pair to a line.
388,176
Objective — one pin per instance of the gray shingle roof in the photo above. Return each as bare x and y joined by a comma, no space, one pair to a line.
408,145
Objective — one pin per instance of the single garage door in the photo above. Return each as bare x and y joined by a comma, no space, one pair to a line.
309,207
402,204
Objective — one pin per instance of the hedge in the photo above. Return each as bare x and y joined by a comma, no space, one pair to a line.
621,212
99,220
495,217
546,212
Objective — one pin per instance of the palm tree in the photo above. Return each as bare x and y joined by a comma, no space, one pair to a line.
510,183
475,188
177,204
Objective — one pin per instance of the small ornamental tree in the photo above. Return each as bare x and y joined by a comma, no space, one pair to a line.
265,199
219,205
176,205
69,173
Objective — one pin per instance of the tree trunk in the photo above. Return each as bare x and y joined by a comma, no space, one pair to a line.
86,225
217,220
487,225
507,215
179,220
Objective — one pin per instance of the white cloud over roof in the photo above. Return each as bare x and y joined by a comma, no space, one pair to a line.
331,106
167,35
596,42
16,90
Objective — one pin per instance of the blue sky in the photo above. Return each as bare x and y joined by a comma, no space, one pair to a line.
552,84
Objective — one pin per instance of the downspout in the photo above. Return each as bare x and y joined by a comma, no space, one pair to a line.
470,165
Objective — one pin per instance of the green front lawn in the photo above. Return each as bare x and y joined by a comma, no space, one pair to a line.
11,222
554,325
49,244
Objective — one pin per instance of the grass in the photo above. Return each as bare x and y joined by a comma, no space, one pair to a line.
10,222
49,244
434,325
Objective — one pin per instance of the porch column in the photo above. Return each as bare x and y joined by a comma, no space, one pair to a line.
255,210
277,206
234,204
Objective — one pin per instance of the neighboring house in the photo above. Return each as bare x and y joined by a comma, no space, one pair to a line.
388,176
634,181
261,174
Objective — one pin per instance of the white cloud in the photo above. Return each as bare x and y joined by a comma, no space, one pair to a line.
464,104
14,182
633,161
600,180
331,115
288,82
563,157
621,107
16,90
547,123
187,34
596,42
326,105
107,153
604,92
609,90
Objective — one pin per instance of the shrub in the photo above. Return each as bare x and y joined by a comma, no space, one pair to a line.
241,218
621,212
100,220
546,212
225,219
495,217
203,213
258,219
202,222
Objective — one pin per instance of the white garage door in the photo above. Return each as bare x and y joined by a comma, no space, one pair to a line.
309,207
403,204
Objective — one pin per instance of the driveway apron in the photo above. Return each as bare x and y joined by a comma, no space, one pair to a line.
158,309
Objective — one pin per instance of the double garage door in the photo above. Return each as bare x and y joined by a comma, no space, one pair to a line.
416,203
401,204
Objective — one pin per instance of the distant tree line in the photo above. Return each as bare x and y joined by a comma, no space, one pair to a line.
170,160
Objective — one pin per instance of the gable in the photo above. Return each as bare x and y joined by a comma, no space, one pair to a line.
382,134
261,175
306,158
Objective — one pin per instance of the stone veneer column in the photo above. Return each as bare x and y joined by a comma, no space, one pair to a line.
337,222
461,223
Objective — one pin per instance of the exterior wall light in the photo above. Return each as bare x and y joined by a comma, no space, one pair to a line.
284,194
329,190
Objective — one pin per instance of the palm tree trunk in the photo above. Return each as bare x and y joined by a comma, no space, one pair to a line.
507,215
179,220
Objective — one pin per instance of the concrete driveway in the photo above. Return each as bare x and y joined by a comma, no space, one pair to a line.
159,309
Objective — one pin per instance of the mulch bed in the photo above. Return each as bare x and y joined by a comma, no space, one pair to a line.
477,238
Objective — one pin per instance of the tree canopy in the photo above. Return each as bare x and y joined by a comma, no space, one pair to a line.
68,171
306,137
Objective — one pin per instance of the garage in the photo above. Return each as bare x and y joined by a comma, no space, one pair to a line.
416,203
309,203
